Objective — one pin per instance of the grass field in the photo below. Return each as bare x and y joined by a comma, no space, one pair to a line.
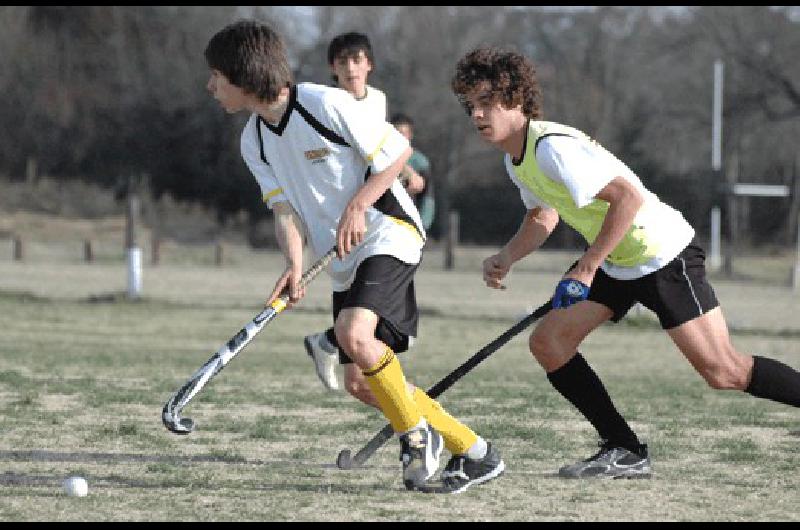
84,374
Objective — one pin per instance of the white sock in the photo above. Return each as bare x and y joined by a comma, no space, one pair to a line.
478,450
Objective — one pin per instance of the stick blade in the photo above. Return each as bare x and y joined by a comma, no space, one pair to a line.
344,460
176,424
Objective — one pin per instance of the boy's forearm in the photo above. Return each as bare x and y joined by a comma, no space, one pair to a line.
413,181
377,184
621,212
289,233
536,227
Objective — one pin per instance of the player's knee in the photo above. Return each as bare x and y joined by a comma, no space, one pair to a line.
355,388
725,377
361,391
545,345
716,380
349,338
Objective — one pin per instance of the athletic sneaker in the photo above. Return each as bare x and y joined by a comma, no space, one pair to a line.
325,358
462,472
611,462
420,450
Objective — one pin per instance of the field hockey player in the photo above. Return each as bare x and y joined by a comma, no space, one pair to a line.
329,173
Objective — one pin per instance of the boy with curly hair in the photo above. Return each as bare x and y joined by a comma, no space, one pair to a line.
639,250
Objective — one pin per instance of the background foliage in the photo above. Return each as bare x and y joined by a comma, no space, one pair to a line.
105,93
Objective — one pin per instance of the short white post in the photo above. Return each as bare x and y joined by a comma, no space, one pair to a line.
134,272
133,252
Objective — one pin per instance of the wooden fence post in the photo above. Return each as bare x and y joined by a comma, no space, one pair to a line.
88,253
451,240
18,248
155,250
218,254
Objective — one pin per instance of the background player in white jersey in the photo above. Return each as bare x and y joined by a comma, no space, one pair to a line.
639,250
329,173
351,61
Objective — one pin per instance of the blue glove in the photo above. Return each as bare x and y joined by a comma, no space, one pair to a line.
569,292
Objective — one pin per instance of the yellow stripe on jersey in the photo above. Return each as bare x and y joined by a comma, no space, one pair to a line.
380,144
268,196
407,225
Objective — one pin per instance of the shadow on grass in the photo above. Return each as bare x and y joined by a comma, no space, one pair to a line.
9,478
53,456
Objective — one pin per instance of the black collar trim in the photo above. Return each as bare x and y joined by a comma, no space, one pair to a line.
278,129
524,145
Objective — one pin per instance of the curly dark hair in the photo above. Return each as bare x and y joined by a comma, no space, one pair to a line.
512,78
252,56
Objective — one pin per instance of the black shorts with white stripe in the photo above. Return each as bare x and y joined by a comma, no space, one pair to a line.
676,293
384,285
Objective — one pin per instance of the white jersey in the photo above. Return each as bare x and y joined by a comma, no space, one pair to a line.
374,102
584,169
317,157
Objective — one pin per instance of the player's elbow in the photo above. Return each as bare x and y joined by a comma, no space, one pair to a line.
546,218
630,196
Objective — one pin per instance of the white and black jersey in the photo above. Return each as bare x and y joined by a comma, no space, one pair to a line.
317,157
374,101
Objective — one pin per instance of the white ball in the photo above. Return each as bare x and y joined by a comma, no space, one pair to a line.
76,487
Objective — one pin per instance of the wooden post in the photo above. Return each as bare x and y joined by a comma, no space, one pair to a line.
794,212
451,240
796,275
794,206
715,257
31,171
730,248
218,254
18,250
155,230
155,250
88,254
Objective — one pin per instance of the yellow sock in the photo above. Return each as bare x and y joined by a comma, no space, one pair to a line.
457,436
388,384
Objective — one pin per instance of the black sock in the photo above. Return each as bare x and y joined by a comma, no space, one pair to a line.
331,336
774,380
577,382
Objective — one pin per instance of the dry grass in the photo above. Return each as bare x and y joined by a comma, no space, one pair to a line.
82,384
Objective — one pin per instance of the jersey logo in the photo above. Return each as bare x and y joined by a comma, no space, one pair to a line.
317,155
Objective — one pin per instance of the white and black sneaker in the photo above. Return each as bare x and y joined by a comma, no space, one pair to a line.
325,357
611,462
420,450
462,472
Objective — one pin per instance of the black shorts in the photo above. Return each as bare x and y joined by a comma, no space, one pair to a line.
385,286
676,293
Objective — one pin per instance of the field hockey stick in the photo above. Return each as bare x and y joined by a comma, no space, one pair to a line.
171,414
345,461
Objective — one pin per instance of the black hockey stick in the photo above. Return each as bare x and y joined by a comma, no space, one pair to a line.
171,414
345,461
